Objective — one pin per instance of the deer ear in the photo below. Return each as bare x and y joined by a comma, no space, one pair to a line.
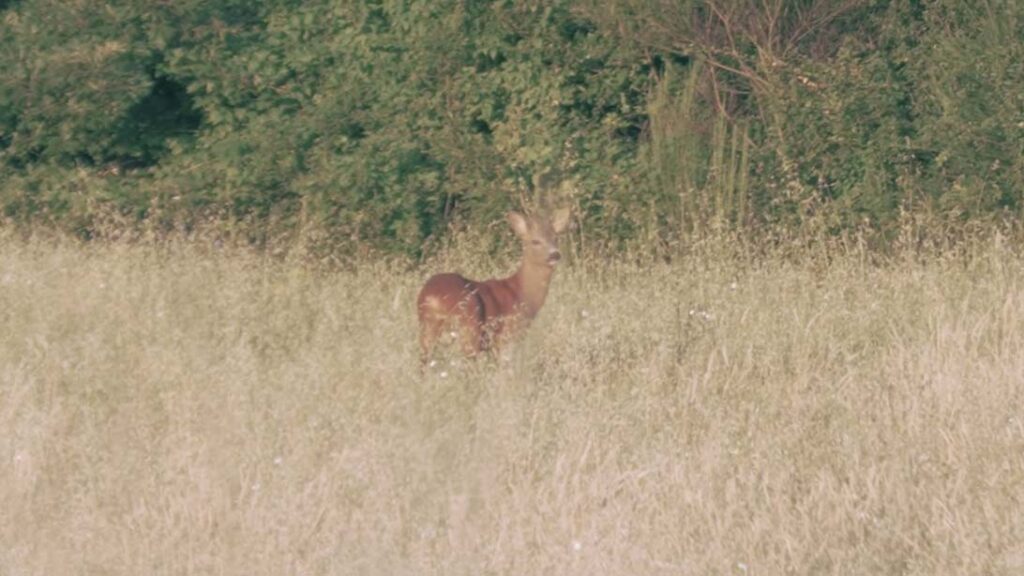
560,220
518,223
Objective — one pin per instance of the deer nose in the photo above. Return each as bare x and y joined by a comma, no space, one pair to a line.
554,256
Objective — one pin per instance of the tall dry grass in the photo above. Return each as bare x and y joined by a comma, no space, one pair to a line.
179,410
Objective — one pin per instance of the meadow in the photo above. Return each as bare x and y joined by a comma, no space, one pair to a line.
181,409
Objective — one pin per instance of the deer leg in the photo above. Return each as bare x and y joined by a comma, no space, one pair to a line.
470,340
430,331
472,331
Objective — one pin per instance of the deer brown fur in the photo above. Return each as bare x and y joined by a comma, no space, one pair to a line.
487,313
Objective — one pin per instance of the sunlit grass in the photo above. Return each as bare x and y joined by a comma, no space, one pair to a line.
183,410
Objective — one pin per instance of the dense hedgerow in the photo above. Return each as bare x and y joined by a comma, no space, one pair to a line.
379,125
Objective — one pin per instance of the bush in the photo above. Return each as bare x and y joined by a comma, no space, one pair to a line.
381,125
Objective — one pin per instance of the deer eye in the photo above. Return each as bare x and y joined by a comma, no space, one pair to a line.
536,242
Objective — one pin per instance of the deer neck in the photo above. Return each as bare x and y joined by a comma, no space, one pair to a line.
533,281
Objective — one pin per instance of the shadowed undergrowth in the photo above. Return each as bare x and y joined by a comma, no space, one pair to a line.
181,410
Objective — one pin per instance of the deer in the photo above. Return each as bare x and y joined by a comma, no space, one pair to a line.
487,314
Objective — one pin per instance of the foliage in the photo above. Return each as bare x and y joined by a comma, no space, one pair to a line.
858,111
380,124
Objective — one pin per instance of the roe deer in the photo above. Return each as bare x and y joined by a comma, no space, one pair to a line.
488,313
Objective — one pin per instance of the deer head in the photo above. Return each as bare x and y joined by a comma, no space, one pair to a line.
539,236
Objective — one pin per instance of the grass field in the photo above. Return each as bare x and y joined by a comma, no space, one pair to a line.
181,410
